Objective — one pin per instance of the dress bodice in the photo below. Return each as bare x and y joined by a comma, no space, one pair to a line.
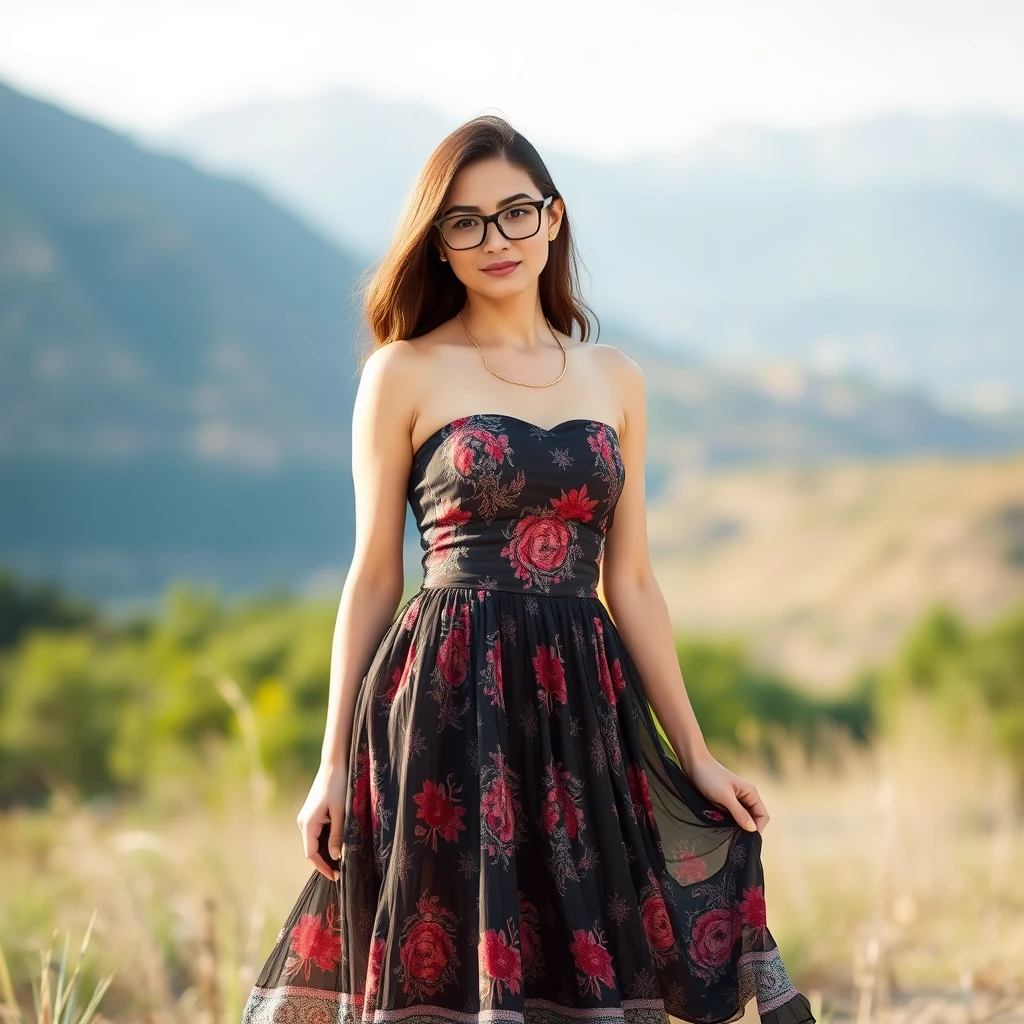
504,504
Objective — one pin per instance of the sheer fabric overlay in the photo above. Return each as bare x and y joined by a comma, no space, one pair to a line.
520,842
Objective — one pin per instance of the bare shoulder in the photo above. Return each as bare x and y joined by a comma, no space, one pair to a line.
388,386
623,373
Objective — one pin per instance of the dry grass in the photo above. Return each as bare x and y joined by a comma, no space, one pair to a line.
895,884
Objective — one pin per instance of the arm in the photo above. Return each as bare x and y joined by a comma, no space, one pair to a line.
381,460
629,590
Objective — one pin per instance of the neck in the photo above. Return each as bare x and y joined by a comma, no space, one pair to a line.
514,322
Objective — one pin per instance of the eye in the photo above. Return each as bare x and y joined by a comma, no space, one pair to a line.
463,222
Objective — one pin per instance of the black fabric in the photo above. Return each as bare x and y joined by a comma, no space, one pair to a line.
520,843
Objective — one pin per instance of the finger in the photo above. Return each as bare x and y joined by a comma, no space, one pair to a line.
311,848
311,842
337,829
741,814
325,869
751,800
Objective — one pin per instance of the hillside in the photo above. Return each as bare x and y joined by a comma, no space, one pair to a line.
824,569
177,376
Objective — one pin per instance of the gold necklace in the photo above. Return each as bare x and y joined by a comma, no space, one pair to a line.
520,382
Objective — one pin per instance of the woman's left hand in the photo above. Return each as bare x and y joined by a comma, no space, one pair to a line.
726,788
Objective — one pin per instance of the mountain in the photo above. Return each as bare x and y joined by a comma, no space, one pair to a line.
177,370
177,375
892,246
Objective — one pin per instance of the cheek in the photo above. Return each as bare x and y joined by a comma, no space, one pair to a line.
534,252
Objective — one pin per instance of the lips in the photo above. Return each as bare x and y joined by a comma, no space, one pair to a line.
504,265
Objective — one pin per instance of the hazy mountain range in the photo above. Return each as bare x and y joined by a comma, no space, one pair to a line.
177,374
893,245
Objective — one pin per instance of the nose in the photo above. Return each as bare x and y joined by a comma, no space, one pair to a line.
493,238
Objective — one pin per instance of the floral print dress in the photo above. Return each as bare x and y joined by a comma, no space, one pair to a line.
520,844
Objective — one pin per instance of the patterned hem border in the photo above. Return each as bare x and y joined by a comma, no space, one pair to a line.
293,1004
763,974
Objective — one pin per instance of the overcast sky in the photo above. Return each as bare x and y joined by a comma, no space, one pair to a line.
602,78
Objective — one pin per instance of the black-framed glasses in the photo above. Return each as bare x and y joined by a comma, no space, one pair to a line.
515,222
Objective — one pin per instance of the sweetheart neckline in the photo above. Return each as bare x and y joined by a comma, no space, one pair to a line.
517,419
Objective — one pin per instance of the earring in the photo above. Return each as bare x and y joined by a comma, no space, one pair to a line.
444,259
551,237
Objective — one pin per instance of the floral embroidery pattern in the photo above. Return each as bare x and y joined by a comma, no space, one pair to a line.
500,962
543,544
401,675
610,676
593,960
427,953
689,867
490,676
314,943
657,920
438,809
563,819
640,792
451,669
508,793
502,825
549,669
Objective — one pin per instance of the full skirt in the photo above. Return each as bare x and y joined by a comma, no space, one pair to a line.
521,843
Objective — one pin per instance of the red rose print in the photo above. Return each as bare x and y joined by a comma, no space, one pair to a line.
640,791
412,613
610,676
442,816
499,961
550,673
502,822
361,789
373,969
593,959
491,675
600,445
714,935
539,545
562,791
690,868
496,808
442,536
314,943
657,923
467,442
752,907
453,651
426,950
576,505
618,682
401,674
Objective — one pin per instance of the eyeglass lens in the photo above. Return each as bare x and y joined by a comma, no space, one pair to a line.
466,230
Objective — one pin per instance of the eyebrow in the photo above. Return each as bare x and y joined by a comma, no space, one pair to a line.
476,209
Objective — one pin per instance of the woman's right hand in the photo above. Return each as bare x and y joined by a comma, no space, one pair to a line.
325,803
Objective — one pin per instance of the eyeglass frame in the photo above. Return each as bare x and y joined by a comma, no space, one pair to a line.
540,204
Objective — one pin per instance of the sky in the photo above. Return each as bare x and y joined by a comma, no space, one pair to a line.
604,79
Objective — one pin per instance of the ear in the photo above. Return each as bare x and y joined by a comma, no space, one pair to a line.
555,213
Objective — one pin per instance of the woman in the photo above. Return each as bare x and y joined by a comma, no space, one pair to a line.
498,829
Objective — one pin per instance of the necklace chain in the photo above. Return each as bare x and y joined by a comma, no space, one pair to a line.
519,382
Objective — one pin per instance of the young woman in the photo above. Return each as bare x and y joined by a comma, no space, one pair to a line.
499,831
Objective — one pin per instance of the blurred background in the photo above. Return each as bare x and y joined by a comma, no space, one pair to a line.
805,221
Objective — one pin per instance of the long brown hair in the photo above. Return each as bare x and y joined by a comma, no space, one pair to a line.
411,291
